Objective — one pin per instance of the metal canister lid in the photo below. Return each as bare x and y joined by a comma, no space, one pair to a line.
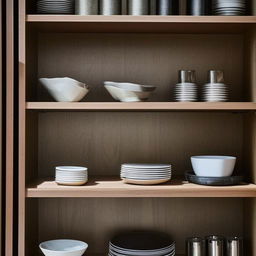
215,76
187,76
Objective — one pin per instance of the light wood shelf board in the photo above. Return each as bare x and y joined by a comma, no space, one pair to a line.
143,19
143,106
114,187
148,24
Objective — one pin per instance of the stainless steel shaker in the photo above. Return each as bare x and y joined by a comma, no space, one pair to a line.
195,246
110,7
234,246
86,7
215,246
138,7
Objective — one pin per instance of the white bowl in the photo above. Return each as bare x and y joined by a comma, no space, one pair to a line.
213,166
65,89
129,92
63,247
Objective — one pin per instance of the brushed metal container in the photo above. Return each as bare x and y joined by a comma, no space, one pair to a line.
86,7
198,7
215,246
138,7
234,246
215,76
195,246
110,7
187,76
168,7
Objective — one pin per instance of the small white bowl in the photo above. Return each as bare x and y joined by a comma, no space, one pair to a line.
65,89
213,166
129,92
63,247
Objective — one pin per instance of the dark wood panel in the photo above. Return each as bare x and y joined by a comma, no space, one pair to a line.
102,141
140,58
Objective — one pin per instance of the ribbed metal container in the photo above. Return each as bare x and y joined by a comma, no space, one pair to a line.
86,7
110,7
198,7
138,7
168,7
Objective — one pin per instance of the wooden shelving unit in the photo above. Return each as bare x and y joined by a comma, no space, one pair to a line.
102,134
143,106
114,187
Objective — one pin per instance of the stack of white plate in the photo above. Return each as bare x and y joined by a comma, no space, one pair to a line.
229,7
142,244
186,92
55,6
215,92
146,174
71,175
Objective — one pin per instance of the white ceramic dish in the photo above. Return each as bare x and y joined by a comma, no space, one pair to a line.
213,166
145,182
65,89
128,92
63,247
71,183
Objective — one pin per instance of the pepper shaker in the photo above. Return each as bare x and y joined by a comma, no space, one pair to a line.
86,7
195,246
234,246
198,7
138,7
168,7
215,246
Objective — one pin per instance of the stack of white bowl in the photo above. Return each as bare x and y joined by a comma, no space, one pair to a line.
186,89
55,6
229,7
146,174
71,175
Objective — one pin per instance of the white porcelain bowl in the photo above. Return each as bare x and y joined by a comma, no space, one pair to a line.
65,89
63,247
129,92
213,166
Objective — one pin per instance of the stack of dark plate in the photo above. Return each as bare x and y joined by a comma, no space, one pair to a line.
142,244
55,6
229,7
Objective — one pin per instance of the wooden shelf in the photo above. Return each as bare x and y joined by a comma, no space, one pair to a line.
114,187
142,106
126,23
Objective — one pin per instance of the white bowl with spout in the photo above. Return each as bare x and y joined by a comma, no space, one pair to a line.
65,89
63,247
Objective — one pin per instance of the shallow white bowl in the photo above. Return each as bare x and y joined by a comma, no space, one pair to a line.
65,89
213,166
63,247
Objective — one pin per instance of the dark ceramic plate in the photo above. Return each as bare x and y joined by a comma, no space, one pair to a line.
213,181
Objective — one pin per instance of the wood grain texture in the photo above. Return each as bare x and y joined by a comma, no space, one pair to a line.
97,220
140,58
114,187
102,141
9,122
142,106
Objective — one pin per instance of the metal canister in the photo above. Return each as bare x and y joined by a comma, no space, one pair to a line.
215,245
168,7
215,76
195,246
187,76
138,7
86,7
110,7
234,246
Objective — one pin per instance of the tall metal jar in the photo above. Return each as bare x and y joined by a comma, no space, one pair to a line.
198,7
110,7
168,7
86,7
138,7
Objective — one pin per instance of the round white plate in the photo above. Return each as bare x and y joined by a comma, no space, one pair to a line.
145,182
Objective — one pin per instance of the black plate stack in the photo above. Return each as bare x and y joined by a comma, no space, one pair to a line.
55,6
143,243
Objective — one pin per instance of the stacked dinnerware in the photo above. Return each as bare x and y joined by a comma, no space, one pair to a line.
229,7
186,89
146,174
55,6
71,175
142,244
215,90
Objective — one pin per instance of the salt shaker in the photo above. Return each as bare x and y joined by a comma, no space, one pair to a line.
86,7
234,246
195,246
168,7
215,246
138,7
110,7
